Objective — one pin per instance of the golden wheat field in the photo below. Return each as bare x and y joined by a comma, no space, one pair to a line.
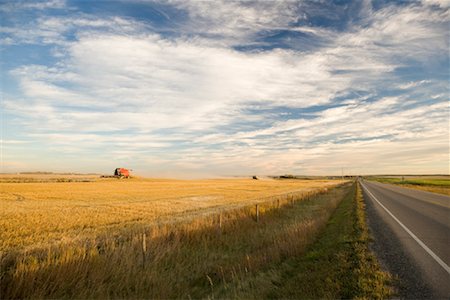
88,238
38,212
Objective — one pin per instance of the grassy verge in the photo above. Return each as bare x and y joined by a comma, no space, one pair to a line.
201,258
338,265
435,185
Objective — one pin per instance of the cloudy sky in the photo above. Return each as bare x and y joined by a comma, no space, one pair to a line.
204,89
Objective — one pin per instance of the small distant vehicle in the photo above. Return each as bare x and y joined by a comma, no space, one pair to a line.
119,173
122,173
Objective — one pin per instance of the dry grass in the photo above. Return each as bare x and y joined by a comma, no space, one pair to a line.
428,188
194,258
338,265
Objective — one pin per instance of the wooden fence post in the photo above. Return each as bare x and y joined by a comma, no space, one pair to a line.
257,213
144,249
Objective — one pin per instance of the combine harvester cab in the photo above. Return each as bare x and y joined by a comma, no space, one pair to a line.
122,173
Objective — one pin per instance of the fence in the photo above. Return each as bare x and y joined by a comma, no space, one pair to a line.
254,210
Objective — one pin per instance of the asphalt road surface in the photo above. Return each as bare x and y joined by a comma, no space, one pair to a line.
411,231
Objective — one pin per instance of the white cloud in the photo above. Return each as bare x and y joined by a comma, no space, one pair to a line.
440,3
13,6
156,78
52,30
412,84
233,20
126,93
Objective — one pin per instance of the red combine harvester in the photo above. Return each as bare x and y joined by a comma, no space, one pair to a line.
122,172
119,173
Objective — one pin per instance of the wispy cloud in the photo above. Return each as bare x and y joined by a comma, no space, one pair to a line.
13,6
120,90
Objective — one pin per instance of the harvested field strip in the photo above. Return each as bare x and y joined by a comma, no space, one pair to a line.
204,257
440,185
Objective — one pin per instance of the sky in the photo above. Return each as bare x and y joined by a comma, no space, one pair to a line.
191,89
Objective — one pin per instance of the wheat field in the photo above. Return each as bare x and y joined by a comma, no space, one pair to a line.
36,213
154,238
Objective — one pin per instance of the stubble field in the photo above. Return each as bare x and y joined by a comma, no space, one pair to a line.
43,210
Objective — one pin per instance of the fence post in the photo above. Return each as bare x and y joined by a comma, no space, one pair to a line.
257,213
220,222
278,203
144,249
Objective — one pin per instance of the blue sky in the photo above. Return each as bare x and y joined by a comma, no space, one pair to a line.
207,89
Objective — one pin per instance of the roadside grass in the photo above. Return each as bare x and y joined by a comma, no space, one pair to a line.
218,255
435,185
338,265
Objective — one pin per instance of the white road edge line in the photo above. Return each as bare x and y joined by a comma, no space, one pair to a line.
436,258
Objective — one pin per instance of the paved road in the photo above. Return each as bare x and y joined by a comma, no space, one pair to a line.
411,232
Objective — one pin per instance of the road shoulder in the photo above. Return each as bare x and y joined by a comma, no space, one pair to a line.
388,249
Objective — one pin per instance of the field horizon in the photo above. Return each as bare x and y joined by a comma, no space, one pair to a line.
261,176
